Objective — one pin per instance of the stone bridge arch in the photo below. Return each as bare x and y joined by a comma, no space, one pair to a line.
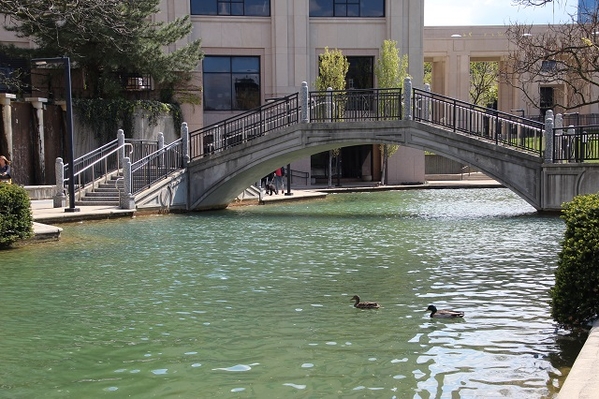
216,180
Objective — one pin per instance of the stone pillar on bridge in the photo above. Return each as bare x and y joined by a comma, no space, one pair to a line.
548,136
160,141
59,199
185,144
426,105
329,104
407,90
127,201
120,136
304,103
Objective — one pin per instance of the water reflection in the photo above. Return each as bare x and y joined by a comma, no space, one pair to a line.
255,302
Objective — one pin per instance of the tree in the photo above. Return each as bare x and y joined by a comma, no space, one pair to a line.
105,38
332,68
532,3
483,82
575,296
564,56
391,69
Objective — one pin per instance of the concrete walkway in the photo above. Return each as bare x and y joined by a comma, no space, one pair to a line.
582,381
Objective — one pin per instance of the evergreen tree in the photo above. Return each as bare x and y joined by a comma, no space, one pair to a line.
106,38
332,68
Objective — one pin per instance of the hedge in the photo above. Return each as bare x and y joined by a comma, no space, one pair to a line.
575,296
16,222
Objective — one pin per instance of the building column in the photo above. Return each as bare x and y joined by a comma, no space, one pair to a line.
5,99
38,104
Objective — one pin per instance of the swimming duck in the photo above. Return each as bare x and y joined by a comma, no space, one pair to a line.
364,305
446,313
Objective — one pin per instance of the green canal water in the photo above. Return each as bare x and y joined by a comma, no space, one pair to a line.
254,302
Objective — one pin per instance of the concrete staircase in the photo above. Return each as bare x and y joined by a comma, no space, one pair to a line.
104,194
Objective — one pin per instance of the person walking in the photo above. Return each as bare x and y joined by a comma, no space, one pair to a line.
5,176
279,173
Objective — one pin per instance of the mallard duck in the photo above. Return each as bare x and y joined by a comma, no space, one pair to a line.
364,305
446,313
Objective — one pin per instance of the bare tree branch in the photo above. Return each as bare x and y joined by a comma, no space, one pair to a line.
564,56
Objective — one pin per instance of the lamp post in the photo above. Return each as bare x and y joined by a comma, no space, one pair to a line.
66,62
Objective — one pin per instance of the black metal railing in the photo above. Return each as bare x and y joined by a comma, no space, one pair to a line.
156,166
576,144
355,105
245,127
486,123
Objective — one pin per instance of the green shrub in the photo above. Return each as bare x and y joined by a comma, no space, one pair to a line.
16,222
575,296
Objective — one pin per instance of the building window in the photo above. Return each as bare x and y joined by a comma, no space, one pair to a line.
231,83
253,8
347,8
546,100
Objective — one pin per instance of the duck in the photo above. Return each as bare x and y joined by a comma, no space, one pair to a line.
364,305
445,313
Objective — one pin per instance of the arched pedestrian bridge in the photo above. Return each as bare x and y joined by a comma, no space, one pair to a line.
542,164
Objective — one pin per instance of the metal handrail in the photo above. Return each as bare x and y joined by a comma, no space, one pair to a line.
485,123
576,143
355,105
244,127
104,160
156,166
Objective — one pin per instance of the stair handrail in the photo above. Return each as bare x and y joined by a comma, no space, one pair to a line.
105,172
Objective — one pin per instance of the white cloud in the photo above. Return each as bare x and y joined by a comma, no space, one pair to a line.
493,12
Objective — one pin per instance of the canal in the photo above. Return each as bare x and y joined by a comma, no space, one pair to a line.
254,302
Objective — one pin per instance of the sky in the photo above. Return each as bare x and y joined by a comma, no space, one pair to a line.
494,12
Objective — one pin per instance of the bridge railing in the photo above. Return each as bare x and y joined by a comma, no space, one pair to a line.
156,166
576,143
486,123
244,127
355,105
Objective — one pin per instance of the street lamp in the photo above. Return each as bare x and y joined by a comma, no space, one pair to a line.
66,62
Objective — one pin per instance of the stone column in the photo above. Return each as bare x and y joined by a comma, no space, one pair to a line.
59,199
160,146
329,105
5,99
304,103
407,89
548,137
126,199
120,136
38,103
185,144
